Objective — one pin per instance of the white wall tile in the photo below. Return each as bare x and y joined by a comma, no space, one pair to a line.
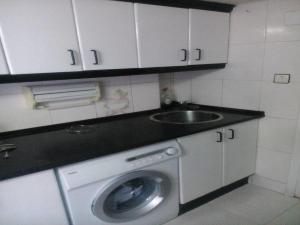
273,165
216,74
73,114
166,86
245,62
268,183
283,20
61,82
282,57
165,80
280,100
248,22
277,134
3,64
145,96
149,78
206,92
115,100
241,94
16,113
183,87
115,81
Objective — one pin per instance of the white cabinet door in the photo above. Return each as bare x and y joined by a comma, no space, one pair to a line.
32,200
39,36
201,165
208,37
3,65
240,151
162,35
107,35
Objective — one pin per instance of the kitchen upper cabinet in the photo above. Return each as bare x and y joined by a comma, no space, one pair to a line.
162,35
240,151
107,35
32,200
201,165
3,65
39,36
208,37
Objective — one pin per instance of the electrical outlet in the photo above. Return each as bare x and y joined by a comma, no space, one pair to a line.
282,78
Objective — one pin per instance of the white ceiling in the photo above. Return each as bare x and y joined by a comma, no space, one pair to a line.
229,1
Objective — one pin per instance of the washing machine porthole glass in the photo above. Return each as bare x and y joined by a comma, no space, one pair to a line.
131,196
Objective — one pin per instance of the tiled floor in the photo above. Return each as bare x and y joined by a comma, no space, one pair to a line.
248,205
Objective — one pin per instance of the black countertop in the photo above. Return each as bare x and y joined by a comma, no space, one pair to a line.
53,146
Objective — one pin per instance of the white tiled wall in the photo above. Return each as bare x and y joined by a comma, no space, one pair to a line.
241,94
264,40
119,95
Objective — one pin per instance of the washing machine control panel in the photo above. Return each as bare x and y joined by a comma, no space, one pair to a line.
154,157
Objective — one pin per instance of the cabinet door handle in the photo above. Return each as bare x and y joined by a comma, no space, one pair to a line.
220,137
199,54
232,134
185,54
95,56
72,53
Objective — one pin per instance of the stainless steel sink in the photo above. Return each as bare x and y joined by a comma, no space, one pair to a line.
187,117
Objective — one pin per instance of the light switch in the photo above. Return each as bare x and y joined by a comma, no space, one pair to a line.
282,78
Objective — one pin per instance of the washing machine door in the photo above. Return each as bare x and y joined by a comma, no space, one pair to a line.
131,196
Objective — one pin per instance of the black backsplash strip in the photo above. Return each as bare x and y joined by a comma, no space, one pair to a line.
193,4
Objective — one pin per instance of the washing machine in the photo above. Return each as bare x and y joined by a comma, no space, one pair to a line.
137,187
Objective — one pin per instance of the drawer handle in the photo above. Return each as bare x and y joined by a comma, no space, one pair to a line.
199,54
95,56
185,54
232,134
220,137
72,53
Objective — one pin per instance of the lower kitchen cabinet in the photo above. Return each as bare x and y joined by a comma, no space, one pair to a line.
216,158
201,165
32,200
240,148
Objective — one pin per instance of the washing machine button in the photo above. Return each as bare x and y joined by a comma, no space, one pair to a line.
171,151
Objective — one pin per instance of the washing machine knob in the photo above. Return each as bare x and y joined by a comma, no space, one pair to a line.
171,151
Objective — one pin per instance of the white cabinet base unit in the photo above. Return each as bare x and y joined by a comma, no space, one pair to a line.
106,31
200,166
3,65
32,200
216,158
162,35
240,151
39,36
208,37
